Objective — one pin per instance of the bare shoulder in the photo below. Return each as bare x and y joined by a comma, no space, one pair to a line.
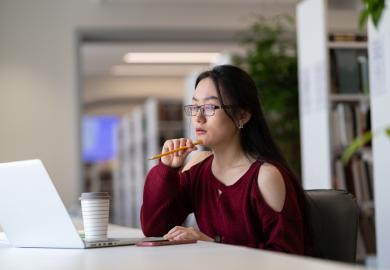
272,186
198,157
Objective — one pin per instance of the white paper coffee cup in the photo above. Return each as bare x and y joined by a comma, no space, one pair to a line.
95,208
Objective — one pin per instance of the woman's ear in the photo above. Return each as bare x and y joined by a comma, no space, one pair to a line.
245,116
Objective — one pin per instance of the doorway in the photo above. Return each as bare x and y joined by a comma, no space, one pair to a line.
132,87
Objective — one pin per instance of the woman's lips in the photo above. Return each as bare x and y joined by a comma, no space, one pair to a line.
200,131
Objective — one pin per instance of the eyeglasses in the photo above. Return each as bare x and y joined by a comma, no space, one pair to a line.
206,109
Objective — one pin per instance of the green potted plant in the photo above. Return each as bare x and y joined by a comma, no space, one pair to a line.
271,60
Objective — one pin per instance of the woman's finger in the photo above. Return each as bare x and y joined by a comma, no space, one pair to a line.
176,144
189,144
181,236
168,146
175,229
174,232
173,235
182,143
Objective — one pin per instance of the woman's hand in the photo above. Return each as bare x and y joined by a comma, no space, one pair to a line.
184,233
177,159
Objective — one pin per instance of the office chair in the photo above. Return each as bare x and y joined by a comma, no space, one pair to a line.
333,216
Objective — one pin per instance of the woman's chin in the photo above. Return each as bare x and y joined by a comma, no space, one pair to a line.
203,139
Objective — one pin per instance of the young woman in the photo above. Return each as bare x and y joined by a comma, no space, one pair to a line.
242,192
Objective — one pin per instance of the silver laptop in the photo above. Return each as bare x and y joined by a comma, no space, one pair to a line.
32,213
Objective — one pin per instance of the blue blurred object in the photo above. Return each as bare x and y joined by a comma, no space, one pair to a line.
99,140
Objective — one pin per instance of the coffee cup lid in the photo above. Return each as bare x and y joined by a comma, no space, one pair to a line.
94,195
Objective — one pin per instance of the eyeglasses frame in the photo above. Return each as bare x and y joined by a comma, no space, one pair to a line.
187,108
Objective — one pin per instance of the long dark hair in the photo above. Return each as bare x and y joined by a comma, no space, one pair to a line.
235,87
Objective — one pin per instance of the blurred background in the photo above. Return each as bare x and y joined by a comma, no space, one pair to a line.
93,87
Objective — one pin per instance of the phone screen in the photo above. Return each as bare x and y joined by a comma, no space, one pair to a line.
164,243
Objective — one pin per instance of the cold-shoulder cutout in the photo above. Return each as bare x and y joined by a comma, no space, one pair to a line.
198,157
272,187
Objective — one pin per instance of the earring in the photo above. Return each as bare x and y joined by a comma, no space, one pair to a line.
240,126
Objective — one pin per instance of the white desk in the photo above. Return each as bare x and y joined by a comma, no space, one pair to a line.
203,255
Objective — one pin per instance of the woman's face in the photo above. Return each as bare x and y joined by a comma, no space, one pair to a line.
214,130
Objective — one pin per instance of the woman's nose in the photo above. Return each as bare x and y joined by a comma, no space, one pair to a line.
200,117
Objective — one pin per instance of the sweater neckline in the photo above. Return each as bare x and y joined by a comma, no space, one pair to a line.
221,186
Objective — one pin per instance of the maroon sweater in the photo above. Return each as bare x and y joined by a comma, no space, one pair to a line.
237,215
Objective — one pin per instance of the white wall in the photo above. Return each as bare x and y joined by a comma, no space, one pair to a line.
38,97
38,82
38,101
379,56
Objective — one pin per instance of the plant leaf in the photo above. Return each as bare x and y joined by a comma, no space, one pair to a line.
363,19
388,132
356,145
373,9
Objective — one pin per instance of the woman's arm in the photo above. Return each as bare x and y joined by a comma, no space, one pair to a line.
166,200
279,212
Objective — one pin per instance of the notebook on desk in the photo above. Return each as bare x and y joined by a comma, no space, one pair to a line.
32,213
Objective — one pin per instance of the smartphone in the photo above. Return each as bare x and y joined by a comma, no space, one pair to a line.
164,243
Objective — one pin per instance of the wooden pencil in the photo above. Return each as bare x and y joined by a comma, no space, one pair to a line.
174,151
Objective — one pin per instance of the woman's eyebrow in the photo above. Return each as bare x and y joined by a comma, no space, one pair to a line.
206,98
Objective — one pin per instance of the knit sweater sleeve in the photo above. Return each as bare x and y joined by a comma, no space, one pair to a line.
283,234
166,200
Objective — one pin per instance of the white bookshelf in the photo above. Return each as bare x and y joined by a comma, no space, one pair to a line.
349,98
314,94
347,44
123,174
332,115
139,164
140,134
379,62
318,100
151,130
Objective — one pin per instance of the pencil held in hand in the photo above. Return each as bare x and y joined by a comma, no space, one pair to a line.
174,151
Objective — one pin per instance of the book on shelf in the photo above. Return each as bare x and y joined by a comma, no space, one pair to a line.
170,111
360,248
357,180
364,181
343,126
366,156
347,37
348,121
356,177
340,182
363,73
367,228
349,70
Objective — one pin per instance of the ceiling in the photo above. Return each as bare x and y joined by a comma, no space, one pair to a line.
333,4
103,49
103,59
195,1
